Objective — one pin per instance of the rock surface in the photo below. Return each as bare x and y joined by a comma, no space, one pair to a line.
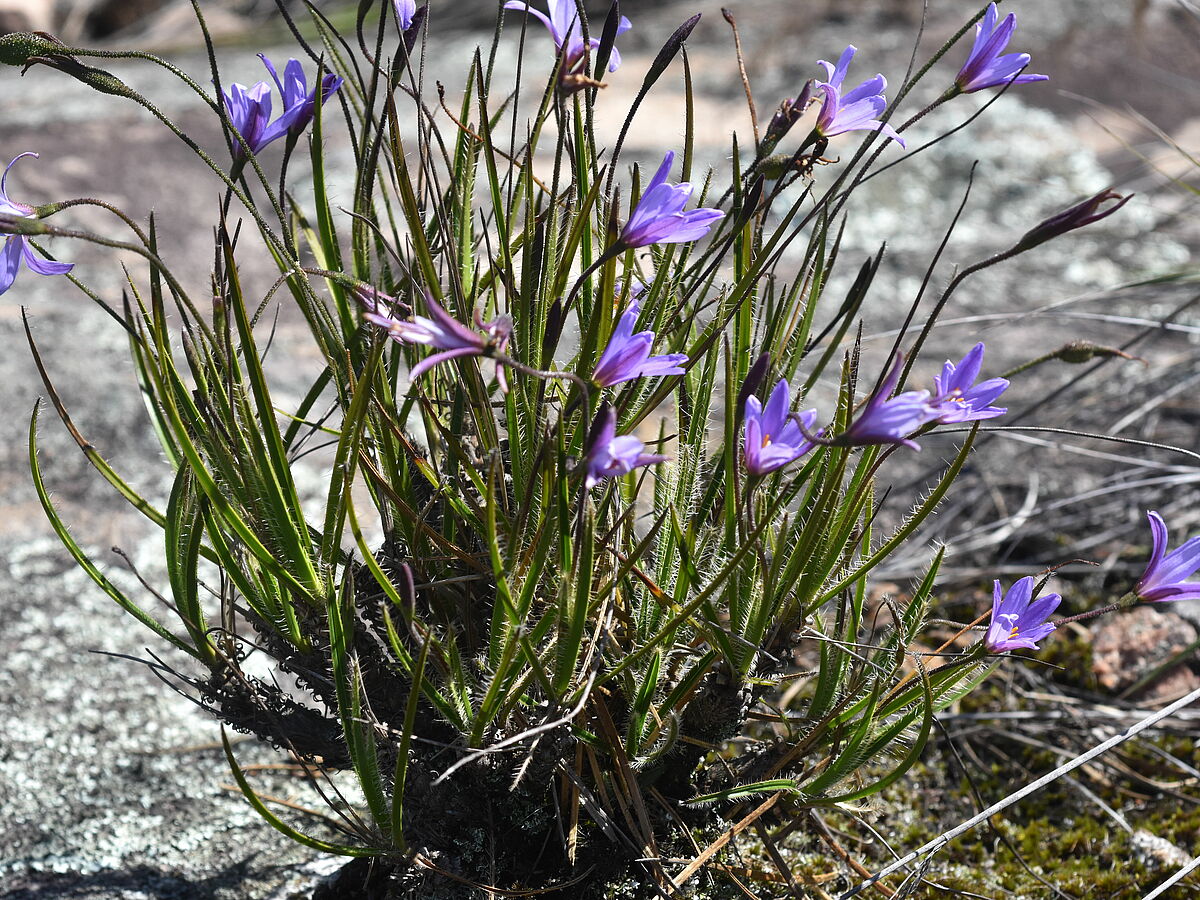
1131,646
111,786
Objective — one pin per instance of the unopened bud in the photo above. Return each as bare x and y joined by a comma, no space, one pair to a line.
16,49
1077,352
754,378
785,117
775,167
96,79
1077,216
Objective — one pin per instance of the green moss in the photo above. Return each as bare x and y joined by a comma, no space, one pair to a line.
1059,833
1072,652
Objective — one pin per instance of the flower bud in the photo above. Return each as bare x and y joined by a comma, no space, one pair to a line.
1077,216
775,167
1085,351
785,117
754,377
17,48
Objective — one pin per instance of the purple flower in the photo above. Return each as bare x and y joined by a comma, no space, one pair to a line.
405,10
299,104
858,109
774,436
985,66
16,246
627,355
249,109
1077,216
956,396
659,218
609,456
1018,620
249,112
443,332
382,305
1163,578
567,31
888,420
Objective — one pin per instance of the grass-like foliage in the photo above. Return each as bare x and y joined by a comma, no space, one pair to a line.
587,594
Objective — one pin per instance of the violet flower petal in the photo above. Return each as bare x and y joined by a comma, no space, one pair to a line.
889,421
773,436
956,397
1016,621
962,375
43,266
777,407
855,110
1180,562
664,364
627,355
249,109
10,261
567,32
618,365
16,246
1158,537
1164,576
455,334
1170,593
835,75
658,217
870,90
565,17
445,356
540,16
10,207
443,333
609,456
405,10
987,65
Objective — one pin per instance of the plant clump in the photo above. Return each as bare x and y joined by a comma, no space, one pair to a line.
584,605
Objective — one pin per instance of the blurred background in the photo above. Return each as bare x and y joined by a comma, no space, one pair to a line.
110,793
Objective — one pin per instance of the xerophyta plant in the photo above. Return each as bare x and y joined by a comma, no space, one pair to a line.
589,581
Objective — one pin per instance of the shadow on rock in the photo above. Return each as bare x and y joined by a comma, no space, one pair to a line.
143,882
